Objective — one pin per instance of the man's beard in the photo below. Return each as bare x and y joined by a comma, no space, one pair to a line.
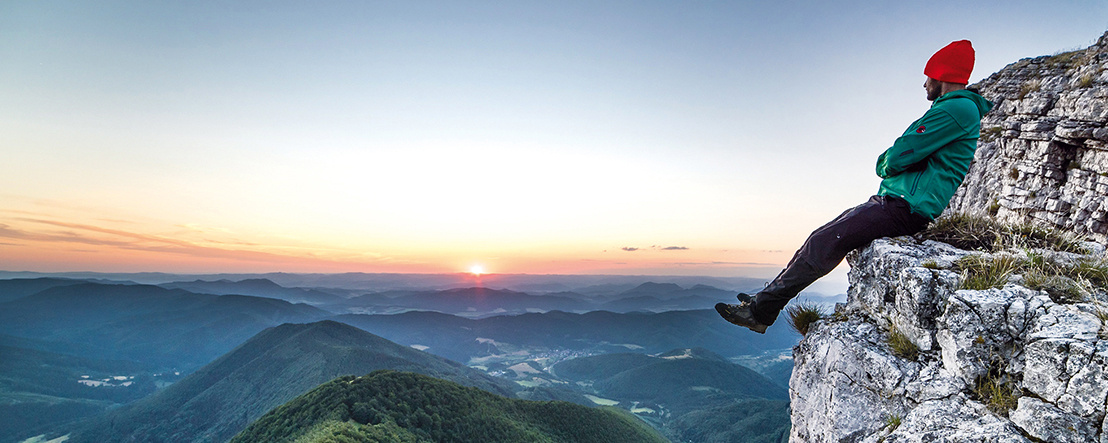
933,94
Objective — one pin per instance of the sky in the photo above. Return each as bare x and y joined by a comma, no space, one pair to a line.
593,137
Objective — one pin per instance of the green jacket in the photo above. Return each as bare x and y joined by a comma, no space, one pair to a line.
926,164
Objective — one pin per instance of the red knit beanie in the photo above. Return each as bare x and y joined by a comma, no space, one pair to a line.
951,64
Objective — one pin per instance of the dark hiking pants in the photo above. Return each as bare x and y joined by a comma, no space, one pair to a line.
881,216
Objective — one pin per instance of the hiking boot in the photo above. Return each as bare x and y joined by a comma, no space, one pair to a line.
744,297
741,315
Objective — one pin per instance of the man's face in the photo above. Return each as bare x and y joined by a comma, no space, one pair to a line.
934,89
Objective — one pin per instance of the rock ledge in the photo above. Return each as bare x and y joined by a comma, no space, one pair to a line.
849,386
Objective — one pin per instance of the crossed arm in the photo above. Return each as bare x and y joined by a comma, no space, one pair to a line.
930,133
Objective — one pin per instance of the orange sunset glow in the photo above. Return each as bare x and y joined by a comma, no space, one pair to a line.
666,138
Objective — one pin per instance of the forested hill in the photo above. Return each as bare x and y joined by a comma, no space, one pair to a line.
407,407
275,366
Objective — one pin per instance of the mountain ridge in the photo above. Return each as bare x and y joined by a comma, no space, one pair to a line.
170,327
276,365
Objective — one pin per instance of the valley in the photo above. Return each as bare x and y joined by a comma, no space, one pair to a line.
182,356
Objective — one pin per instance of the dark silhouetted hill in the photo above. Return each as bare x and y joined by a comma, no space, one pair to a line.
21,287
169,327
258,287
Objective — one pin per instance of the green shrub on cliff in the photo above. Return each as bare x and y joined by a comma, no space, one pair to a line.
802,315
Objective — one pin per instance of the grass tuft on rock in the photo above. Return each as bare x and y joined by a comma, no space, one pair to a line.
1102,314
997,392
1065,282
801,316
964,231
903,346
1028,235
979,232
1062,289
982,272
1095,270
892,421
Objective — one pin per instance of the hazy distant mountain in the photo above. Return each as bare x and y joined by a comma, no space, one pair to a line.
22,287
394,406
473,301
659,297
258,287
280,363
487,295
670,290
169,327
651,288
461,339
484,302
590,285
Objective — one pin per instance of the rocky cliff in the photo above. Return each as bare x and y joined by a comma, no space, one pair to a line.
1007,364
1043,152
915,356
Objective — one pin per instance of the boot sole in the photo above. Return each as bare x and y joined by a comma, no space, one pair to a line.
721,309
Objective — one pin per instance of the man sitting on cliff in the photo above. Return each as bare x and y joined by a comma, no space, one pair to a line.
920,173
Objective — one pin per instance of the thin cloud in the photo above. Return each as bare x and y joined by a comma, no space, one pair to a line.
656,248
721,263
6,231
75,233
116,220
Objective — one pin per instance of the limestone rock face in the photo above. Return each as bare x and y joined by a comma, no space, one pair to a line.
1043,152
849,385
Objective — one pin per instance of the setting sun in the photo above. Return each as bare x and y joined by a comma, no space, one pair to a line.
477,270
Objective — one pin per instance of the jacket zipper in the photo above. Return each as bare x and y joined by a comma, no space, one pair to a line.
915,183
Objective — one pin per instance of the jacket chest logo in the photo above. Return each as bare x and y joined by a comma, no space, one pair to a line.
920,129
